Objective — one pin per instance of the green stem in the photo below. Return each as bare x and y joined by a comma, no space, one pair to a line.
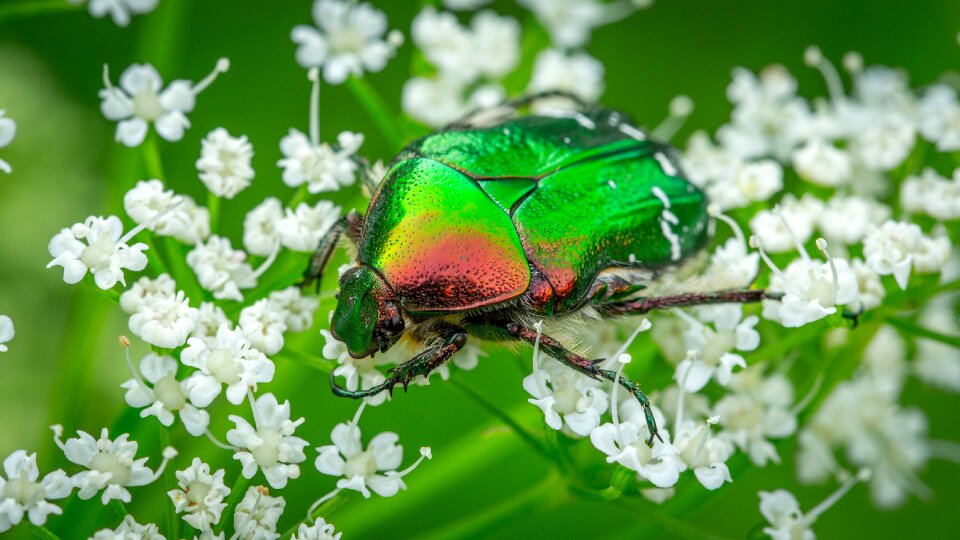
484,403
119,508
239,490
43,532
151,158
377,108
31,8
173,524
213,205
325,509
549,493
919,331
298,196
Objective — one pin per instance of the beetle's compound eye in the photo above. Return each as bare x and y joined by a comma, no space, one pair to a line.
393,325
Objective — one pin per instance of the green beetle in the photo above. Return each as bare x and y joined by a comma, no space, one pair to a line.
488,226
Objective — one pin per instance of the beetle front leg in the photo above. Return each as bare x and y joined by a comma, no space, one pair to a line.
589,368
646,305
454,339
351,225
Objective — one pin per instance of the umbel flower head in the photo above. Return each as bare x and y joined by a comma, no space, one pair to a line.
348,40
22,492
141,100
269,444
119,10
200,495
111,464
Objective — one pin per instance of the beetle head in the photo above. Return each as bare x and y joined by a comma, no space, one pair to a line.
367,318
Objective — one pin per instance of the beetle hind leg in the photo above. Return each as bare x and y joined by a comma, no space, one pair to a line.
589,368
641,306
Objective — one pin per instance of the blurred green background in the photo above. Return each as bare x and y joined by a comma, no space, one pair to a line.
66,167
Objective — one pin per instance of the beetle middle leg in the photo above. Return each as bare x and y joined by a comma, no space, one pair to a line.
589,368
452,340
350,225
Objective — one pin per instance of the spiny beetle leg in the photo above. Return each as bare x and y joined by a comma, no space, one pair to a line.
588,367
350,224
422,364
646,305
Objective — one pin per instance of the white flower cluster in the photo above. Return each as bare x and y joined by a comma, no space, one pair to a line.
119,10
348,40
469,61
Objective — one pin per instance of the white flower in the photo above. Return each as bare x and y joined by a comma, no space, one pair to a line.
870,291
164,395
6,331
822,163
146,290
768,117
149,203
570,22
111,464
22,491
897,246
297,308
782,511
210,317
363,470
932,194
348,40
939,117
793,221
323,167
567,398
811,291
489,49
119,10
260,234
745,183
231,361
224,163
269,445
847,220
443,99
359,373
468,357
936,363
221,269
757,410
714,347
129,529
201,494
732,266
705,454
99,246
787,522
8,128
320,530
257,514
164,321
576,73
302,229
263,325
495,45
139,101
625,443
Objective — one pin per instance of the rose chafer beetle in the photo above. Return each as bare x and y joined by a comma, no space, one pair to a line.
499,221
